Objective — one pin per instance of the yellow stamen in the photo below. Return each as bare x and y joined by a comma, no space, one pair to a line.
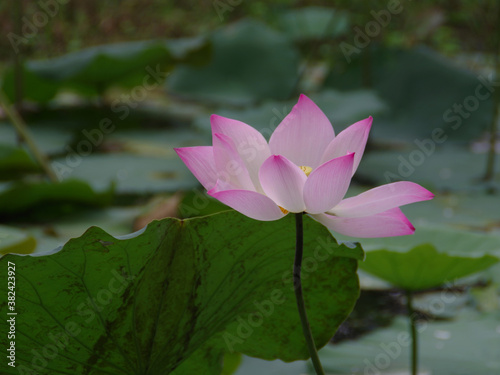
283,210
307,170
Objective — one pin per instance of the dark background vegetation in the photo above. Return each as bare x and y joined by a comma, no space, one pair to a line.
449,26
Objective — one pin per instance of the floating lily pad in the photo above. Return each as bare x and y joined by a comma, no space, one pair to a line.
154,300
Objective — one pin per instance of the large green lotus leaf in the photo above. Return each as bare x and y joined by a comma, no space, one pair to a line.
250,62
148,302
313,23
468,345
92,70
40,200
421,88
209,360
232,362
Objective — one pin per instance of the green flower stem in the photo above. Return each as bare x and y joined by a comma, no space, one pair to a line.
413,330
297,284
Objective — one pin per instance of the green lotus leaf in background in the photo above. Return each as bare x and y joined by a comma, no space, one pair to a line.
14,162
132,174
250,63
35,87
439,168
92,70
429,258
177,295
43,199
446,240
422,267
313,23
342,108
420,87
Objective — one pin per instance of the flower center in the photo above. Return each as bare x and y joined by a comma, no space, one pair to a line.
307,170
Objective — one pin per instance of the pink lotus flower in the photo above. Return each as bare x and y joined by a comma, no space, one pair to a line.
304,168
